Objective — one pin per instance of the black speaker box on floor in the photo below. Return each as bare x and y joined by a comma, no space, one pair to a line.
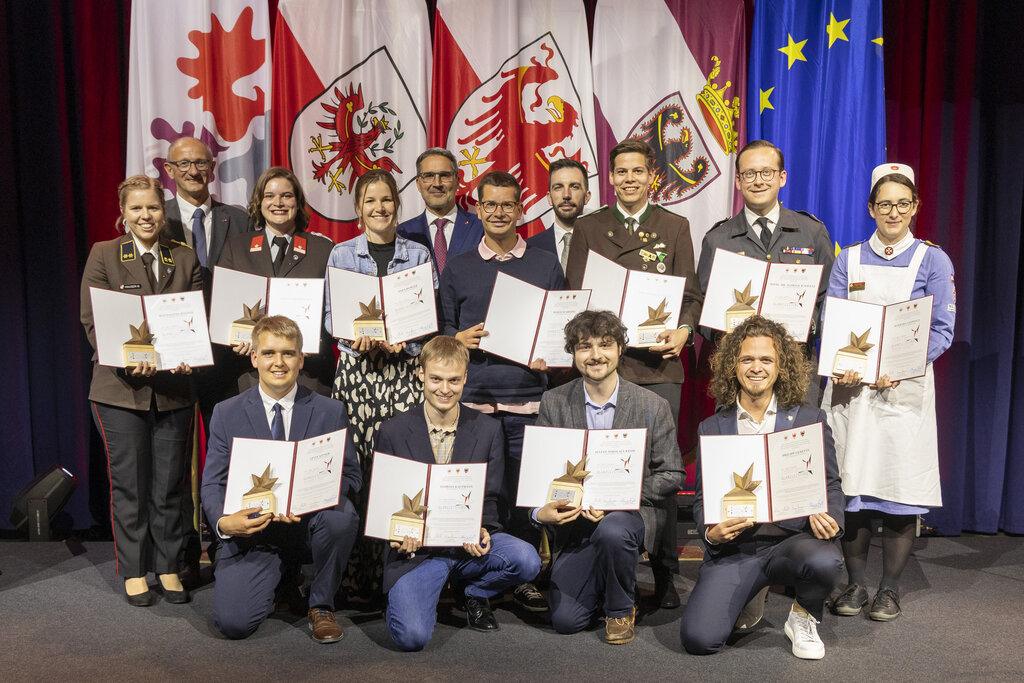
39,500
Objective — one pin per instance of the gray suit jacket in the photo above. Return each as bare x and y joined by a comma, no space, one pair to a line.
636,407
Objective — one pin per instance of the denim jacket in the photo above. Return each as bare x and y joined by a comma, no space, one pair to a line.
354,255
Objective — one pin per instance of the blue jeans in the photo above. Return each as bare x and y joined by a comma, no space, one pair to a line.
412,601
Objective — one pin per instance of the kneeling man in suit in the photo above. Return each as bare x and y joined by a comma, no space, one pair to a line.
442,431
249,566
596,553
759,378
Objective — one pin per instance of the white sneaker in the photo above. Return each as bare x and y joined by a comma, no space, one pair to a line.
801,629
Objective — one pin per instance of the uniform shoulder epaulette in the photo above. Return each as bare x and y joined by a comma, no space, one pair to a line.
595,211
810,215
724,220
320,234
931,244
179,243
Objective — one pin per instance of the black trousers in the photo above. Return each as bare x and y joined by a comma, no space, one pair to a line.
146,462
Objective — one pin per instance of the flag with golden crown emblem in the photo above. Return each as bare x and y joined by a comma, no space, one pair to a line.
816,90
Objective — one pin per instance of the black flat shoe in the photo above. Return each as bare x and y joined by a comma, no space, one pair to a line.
140,599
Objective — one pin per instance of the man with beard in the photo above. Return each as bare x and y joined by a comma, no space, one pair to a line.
568,193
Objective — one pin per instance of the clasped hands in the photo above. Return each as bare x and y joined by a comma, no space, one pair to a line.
851,378
242,523
559,512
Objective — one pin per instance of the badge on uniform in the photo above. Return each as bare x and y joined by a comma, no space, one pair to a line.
856,286
128,251
256,244
803,251
648,256
131,286
165,256
299,245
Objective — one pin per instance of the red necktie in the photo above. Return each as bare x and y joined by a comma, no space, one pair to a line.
440,244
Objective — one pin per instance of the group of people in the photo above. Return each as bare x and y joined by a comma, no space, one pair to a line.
443,399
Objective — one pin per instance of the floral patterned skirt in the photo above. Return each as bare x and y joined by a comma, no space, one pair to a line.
374,387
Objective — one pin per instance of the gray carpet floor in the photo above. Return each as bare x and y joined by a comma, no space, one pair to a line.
62,618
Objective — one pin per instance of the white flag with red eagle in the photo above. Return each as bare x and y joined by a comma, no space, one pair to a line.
512,91
200,69
350,94
673,72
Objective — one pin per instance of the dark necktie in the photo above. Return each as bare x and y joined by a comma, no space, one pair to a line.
766,235
277,424
147,262
566,239
440,245
199,236
282,249
631,224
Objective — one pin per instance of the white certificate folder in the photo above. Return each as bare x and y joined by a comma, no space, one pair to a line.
786,468
405,300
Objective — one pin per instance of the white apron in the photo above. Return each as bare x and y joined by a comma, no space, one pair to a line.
886,441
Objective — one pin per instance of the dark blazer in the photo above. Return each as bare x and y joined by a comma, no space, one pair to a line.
111,266
228,220
602,232
243,416
636,407
318,370
545,240
795,230
466,234
723,422
478,438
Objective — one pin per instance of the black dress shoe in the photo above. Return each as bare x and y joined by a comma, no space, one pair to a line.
140,599
176,597
479,614
665,593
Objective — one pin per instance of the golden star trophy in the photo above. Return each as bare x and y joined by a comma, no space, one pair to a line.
569,486
648,331
241,329
853,357
741,310
139,348
371,322
741,502
261,494
409,520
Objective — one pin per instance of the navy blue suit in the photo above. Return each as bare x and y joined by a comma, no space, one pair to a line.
782,553
544,240
466,234
249,568
414,584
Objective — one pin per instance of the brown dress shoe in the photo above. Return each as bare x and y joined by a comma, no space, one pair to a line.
325,628
621,630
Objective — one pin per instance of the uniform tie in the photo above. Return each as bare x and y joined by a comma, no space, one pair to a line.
277,424
282,249
631,224
766,235
566,239
199,235
147,261
440,244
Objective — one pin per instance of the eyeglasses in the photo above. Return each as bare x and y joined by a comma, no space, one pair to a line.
429,177
184,164
766,174
885,208
507,207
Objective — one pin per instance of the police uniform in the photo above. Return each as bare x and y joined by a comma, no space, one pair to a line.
144,421
306,258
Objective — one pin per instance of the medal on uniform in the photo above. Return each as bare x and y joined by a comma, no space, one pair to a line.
139,348
742,309
853,357
371,321
569,486
261,494
741,501
409,520
241,329
649,330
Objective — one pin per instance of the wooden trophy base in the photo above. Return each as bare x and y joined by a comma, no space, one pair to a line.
241,333
563,490
138,353
739,508
405,526
373,329
734,318
845,360
264,500
647,335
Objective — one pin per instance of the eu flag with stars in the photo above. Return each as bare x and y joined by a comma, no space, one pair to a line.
816,90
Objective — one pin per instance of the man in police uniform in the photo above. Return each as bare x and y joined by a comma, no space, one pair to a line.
767,231
641,236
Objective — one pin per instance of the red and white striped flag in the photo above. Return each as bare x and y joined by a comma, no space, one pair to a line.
200,69
673,72
512,91
350,93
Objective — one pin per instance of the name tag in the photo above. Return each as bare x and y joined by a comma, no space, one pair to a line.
131,286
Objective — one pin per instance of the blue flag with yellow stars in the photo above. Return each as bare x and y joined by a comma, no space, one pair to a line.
816,90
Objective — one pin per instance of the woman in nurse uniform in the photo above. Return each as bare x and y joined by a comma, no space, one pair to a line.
885,433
